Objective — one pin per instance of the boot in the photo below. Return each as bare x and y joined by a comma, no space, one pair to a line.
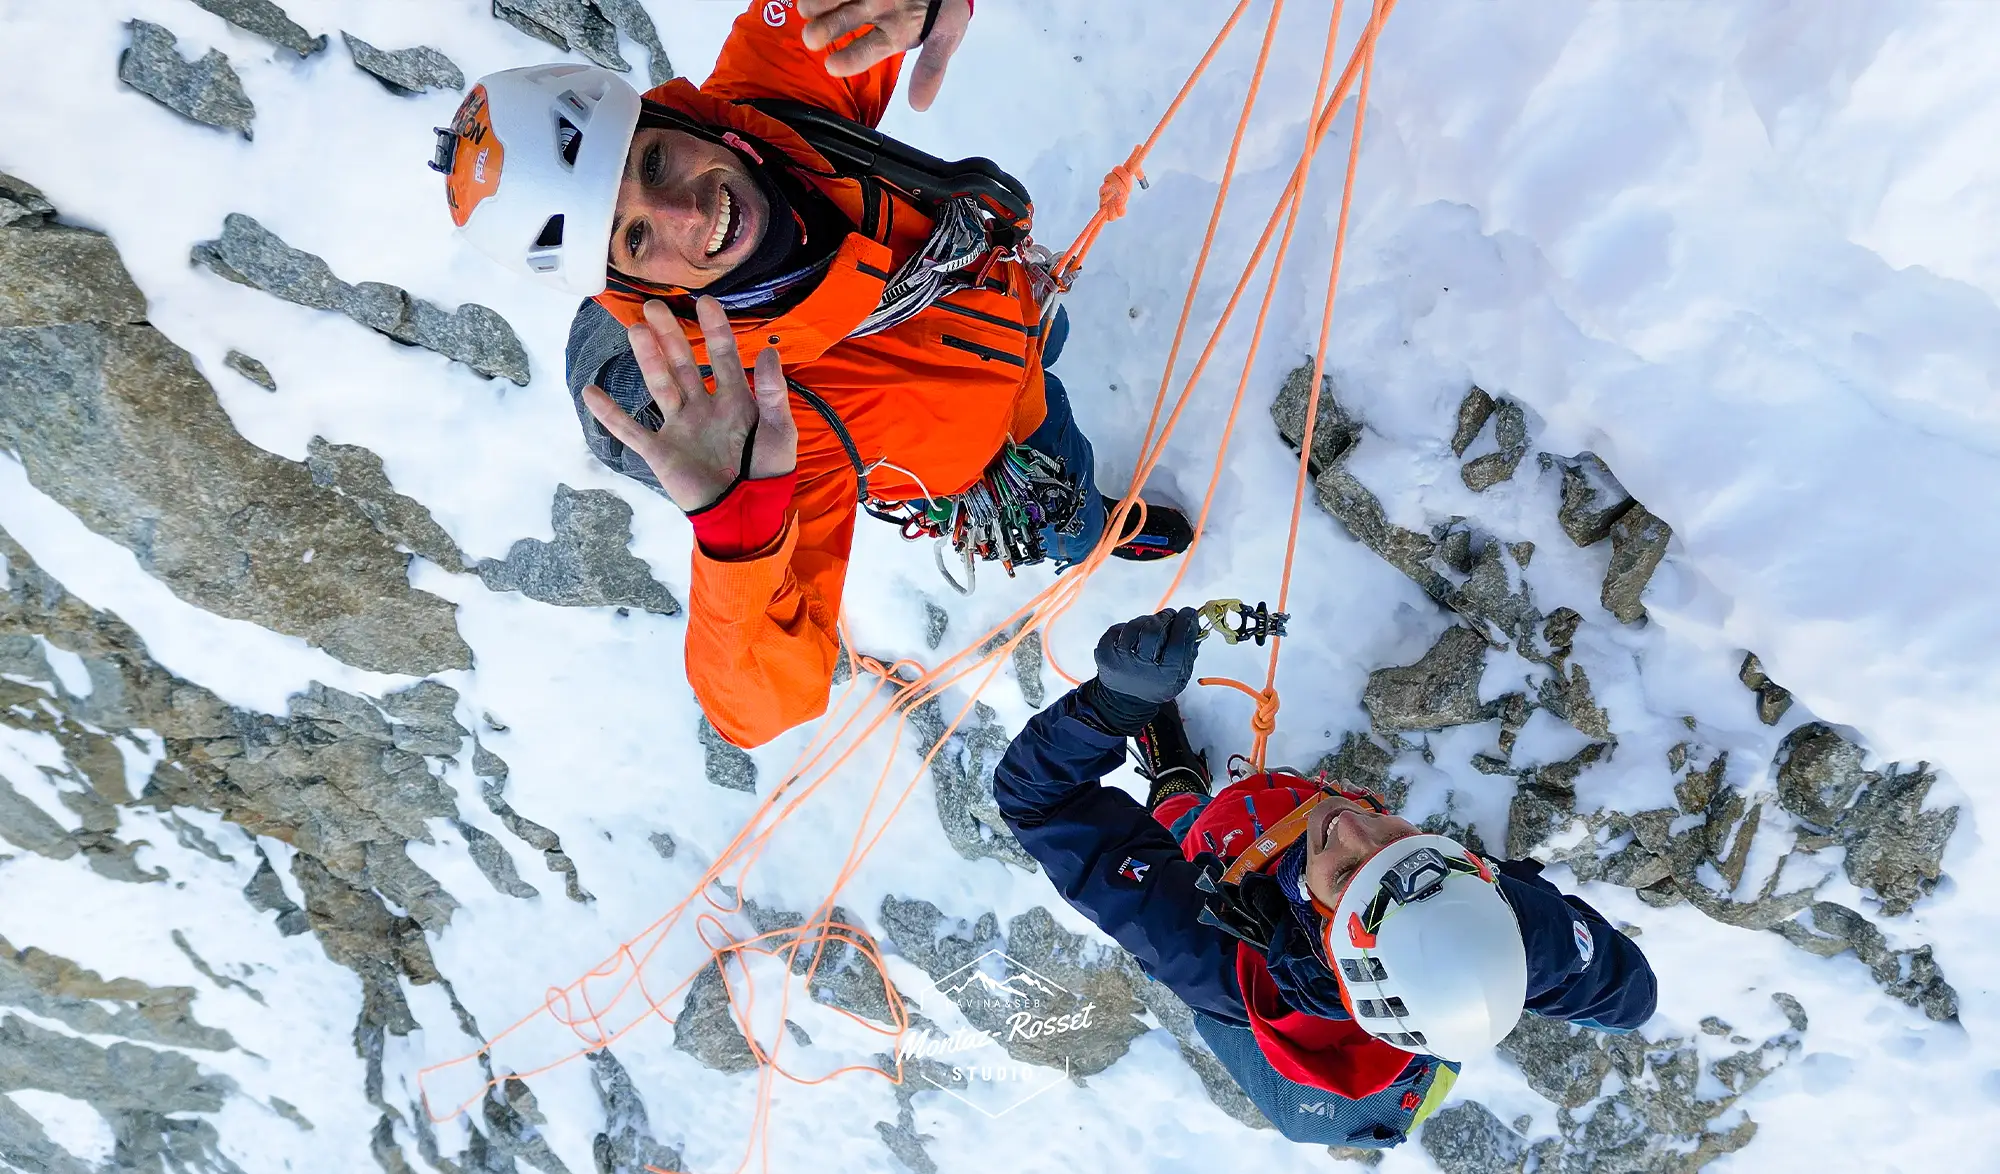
1167,762
1165,532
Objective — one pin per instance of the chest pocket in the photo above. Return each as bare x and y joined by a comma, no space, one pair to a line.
982,325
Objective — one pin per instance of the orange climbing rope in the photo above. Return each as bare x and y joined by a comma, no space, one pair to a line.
620,995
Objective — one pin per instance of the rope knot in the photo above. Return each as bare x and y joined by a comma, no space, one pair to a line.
1264,722
1115,193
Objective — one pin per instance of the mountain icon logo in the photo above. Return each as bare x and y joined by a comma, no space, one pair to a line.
1020,984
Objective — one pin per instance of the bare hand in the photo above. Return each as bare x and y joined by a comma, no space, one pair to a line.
698,451
898,23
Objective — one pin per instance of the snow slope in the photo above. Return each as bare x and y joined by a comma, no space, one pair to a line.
1745,252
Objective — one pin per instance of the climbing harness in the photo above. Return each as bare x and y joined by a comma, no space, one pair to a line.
999,519
1236,621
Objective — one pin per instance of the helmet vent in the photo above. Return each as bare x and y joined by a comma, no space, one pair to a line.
569,140
1403,1039
1363,969
1382,1009
552,233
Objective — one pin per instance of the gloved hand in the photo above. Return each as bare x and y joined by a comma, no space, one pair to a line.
1141,665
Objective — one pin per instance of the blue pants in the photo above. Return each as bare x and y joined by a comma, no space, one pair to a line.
1059,437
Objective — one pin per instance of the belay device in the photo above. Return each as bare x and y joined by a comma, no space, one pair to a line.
1236,621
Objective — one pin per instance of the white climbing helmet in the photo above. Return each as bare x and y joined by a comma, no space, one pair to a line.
1429,953
532,164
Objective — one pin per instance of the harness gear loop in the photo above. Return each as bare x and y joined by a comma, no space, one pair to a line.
1000,518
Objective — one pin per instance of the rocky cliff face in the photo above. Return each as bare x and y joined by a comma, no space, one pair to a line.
112,419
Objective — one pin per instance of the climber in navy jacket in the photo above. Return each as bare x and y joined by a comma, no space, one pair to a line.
1339,962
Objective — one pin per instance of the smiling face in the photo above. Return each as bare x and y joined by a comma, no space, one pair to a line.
1340,837
689,211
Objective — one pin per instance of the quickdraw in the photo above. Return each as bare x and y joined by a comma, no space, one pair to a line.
999,519
1236,621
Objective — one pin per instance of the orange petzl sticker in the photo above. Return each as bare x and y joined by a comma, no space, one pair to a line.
475,166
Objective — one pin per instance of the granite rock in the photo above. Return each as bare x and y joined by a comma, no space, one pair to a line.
23,203
492,772
1358,509
1361,762
343,779
705,1027
1495,597
250,254
727,765
1773,699
250,369
962,778
56,988
1568,696
116,424
1510,430
1894,846
1028,669
53,275
1466,1138
491,857
357,475
120,1076
1658,1119
1334,431
835,956
1441,689
632,22
1638,543
206,91
576,25
626,1144
1592,499
268,21
589,563
1473,412
405,71
266,893
1910,975
1566,1064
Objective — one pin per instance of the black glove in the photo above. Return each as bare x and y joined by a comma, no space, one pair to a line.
1141,665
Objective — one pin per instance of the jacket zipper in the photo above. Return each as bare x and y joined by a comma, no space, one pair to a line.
985,353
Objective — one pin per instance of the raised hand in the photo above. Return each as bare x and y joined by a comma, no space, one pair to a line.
899,25
706,441
1151,658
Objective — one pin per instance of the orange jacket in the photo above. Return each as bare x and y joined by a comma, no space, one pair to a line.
936,395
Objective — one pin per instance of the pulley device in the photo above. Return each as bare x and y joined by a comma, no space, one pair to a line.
1236,621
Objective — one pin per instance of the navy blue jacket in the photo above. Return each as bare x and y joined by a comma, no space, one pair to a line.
1084,834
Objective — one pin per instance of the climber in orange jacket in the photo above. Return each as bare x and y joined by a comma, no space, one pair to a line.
894,304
